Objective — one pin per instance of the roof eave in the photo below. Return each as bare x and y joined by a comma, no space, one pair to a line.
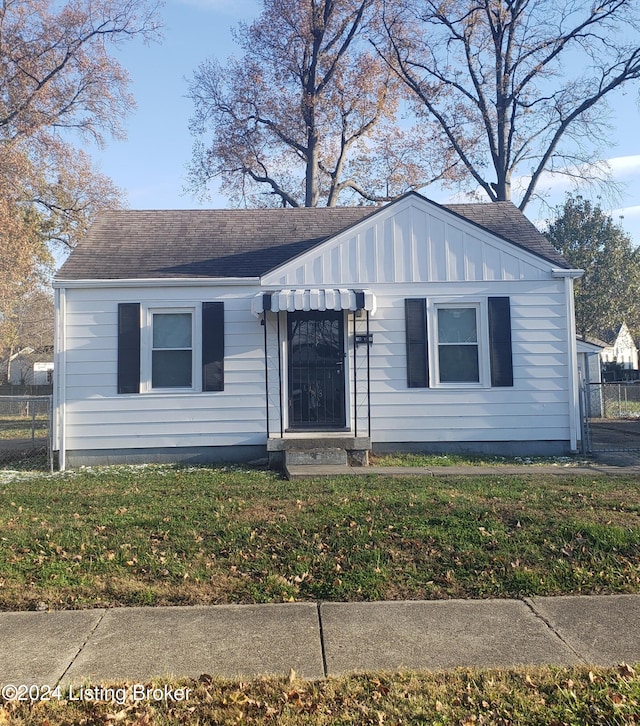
164,281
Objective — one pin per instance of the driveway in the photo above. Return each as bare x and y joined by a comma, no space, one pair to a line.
616,441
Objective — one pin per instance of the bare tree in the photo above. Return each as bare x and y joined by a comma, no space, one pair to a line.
307,114
57,77
515,86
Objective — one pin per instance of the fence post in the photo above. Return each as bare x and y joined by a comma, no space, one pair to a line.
619,400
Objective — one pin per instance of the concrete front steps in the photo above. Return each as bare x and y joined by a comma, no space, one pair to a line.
314,455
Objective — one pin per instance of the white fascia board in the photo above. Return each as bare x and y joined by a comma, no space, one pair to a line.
585,346
559,272
157,282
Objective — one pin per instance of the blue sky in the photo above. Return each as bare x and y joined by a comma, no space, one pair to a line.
151,165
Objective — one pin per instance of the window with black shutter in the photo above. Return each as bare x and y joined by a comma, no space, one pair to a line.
471,340
159,349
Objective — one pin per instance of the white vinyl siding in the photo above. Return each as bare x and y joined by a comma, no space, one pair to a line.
96,417
535,408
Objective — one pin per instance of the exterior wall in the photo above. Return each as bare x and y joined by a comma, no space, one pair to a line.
97,419
93,416
536,408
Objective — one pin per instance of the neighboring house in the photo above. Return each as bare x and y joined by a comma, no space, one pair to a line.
224,334
29,367
622,351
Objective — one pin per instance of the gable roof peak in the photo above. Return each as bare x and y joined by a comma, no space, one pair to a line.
146,244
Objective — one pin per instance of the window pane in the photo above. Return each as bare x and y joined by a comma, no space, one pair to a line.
171,369
172,330
459,364
457,325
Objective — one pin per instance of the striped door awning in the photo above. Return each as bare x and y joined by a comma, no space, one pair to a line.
290,300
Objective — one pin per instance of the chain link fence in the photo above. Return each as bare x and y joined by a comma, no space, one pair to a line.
25,433
615,400
611,417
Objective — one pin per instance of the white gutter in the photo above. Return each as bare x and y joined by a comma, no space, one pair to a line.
164,281
60,377
572,353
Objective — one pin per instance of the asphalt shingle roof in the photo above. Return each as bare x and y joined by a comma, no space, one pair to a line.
129,244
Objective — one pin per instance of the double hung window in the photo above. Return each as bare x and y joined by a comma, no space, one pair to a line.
172,350
458,345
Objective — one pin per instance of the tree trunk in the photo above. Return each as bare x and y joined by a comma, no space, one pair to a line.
311,177
503,187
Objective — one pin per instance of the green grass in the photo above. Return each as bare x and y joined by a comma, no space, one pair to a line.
433,460
536,697
163,535
22,427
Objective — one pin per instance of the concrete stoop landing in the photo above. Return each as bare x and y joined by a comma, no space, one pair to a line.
312,454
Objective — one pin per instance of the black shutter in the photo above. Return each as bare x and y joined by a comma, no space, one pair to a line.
415,310
128,347
500,341
213,346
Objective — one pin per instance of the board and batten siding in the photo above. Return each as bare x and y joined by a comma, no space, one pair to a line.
410,242
97,417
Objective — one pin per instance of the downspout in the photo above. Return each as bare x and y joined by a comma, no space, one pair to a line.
266,370
280,344
59,388
355,379
572,354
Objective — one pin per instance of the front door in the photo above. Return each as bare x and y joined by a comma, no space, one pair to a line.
316,370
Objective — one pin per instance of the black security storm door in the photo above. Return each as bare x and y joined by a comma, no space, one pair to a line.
316,370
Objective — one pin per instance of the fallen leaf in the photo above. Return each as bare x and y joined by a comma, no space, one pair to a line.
529,682
626,671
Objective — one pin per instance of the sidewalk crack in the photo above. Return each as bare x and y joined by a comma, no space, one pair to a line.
530,604
322,647
82,647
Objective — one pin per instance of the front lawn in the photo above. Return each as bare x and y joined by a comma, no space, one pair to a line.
170,535
535,696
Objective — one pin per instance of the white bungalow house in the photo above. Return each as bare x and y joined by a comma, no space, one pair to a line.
218,335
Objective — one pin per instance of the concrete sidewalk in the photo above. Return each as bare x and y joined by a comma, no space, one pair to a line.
315,639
